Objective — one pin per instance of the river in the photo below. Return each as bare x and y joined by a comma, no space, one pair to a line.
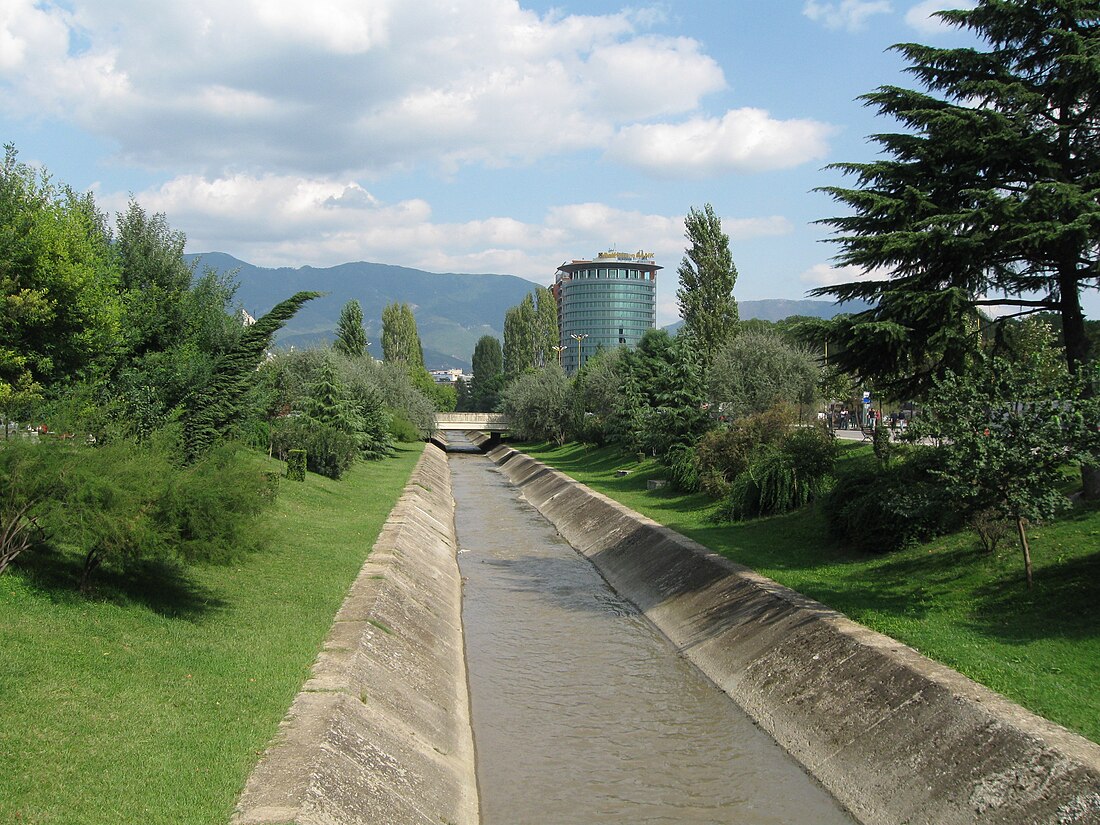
582,711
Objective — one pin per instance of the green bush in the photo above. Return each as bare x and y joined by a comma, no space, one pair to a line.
403,430
123,502
683,467
726,452
782,478
210,510
296,465
329,451
880,510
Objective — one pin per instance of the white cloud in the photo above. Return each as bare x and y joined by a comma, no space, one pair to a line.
286,220
337,87
745,140
920,16
847,14
828,275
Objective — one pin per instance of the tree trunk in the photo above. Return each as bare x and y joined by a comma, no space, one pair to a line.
1077,355
1020,522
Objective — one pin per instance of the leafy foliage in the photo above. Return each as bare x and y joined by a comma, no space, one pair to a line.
351,338
879,510
987,197
1006,436
707,277
520,338
538,405
782,478
212,413
726,452
757,370
400,338
59,302
122,503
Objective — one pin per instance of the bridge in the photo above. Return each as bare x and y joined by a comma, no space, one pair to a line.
483,422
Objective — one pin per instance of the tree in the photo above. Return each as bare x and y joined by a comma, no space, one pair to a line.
488,381
212,412
520,338
546,327
59,304
988,196
1007,431
707,277
351,338
537,404
757,370
400,338
154,277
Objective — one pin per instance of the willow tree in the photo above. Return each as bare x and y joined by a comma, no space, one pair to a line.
989,197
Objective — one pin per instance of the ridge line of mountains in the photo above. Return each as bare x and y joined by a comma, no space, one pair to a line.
452,310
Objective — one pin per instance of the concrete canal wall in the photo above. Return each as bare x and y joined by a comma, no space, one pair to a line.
381,731
895,737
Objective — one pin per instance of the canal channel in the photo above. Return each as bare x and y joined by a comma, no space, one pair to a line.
582,711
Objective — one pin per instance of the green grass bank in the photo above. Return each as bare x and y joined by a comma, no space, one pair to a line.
150,701
948,598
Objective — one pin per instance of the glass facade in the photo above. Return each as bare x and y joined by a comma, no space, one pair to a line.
605,303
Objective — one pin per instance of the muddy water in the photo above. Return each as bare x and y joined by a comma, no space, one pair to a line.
583,713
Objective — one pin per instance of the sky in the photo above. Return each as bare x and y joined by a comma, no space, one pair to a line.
503,136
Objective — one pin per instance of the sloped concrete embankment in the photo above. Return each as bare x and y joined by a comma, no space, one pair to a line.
381,731
893,736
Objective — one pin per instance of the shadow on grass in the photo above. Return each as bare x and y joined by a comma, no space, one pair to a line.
1064,603
161,586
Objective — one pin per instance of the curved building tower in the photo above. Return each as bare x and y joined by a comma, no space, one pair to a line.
604,303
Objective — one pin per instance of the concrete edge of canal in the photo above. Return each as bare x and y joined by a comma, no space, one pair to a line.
894,736
381,732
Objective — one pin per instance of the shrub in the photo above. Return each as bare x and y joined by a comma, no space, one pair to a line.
122,502
401,429
726,452
885,509
781,478
210,510
329,451
991,527
683,467
296,465
538,405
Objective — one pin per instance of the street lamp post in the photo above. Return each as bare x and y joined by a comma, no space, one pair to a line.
578,337
559,350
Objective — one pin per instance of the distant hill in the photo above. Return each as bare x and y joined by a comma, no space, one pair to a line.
452,311
776,309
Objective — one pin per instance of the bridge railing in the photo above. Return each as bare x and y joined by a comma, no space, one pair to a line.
471,421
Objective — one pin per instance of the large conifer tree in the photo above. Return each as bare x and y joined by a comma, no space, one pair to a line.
990,197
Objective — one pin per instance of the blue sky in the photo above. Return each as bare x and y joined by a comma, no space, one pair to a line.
462,135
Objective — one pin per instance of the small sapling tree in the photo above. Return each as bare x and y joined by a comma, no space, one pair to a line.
1006,435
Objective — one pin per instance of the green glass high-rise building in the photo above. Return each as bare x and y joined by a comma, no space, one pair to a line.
604,303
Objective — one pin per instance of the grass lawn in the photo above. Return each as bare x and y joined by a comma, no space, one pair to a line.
150,701
948,599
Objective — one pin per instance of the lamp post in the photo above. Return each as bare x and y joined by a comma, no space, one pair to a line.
559,350
578,337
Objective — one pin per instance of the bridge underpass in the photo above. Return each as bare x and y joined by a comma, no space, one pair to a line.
492,423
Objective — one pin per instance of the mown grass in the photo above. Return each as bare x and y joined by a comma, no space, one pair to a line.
150,701
948,598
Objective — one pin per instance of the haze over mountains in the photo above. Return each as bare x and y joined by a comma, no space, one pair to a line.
452,310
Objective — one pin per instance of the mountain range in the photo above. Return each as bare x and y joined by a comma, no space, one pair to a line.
452,310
